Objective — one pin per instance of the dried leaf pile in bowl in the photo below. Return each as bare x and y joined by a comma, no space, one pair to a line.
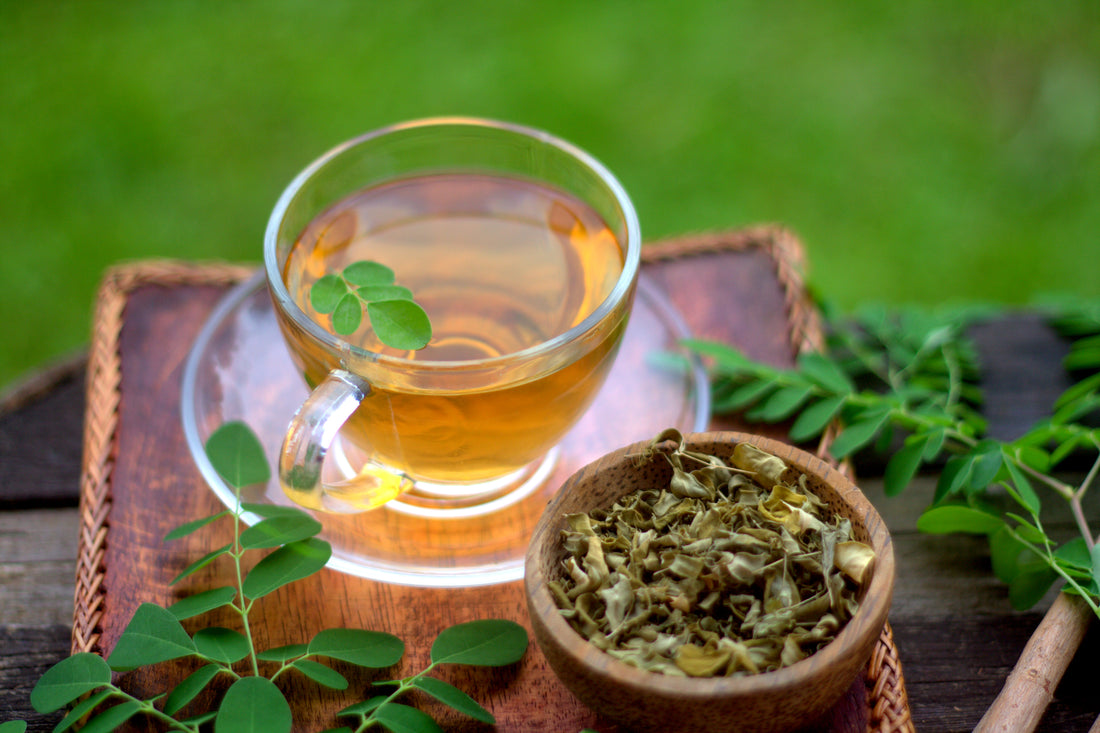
735,567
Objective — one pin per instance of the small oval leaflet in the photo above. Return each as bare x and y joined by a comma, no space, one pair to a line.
68,680
253,705
484,642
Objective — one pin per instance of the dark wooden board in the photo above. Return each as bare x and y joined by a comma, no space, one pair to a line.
41,429
26,652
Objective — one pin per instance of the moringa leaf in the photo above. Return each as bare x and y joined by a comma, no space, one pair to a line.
1029,586
185,529
885,438
1005,552
399,718
287,564
202,602
237,455
1034,457
743,396
111,718
222,645
325,294
1066,448
955,473
454,697
322,675
956,518
347,315
988,460
197,720
1085,354
486,642
1082,390
280,530
362,708
153,635
253,705
903,465
1027,531
859,433
782,403
1075,554
936,438
1094,566
283,653
728,360
815,418
78,711
190,687
368,293
67,680
825,372
374,649
366,272
269,511
201,563
400,323
1021,489
1076,411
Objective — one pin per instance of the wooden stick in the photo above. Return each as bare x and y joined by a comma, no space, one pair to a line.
1031,684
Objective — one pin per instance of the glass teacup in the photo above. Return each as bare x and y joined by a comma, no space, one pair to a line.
522,250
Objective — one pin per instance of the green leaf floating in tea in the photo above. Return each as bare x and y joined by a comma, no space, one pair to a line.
398,320
732,569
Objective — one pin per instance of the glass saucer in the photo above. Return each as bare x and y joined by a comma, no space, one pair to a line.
239,369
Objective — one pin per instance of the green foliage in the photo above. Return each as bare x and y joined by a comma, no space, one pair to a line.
396,318
491,642
253,705
357,646
68,680
488,642
905,382
1079,321
153,635
236,453
254,702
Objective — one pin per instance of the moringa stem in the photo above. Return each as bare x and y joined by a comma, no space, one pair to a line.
1030,686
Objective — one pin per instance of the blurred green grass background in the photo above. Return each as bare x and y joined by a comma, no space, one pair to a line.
923,152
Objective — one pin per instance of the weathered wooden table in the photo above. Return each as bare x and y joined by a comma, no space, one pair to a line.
955,631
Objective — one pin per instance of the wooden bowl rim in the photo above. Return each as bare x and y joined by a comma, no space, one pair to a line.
872,612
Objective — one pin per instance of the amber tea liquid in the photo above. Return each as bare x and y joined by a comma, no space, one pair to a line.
500,266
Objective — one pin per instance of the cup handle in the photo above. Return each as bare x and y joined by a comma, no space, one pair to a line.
308,439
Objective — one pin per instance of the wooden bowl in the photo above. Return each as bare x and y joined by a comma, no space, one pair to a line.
785,699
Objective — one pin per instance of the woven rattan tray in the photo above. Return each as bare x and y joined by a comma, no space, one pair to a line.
744,287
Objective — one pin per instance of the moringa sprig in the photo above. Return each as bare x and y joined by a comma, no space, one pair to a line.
906,383
397,319
253,702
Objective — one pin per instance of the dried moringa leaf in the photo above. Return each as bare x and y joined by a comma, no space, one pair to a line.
730,570
854,559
